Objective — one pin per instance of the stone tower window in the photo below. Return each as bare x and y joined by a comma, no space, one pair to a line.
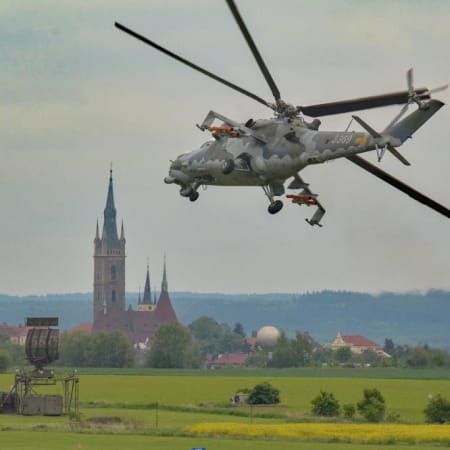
113,273
113,296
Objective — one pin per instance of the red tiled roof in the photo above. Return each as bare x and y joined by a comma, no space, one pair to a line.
359,341
85,326
164,310
237,359
14,331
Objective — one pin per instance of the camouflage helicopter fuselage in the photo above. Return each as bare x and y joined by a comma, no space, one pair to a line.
272,150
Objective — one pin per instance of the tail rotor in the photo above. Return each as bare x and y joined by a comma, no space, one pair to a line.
415,96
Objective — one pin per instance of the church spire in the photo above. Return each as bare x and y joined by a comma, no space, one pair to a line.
109,216
164,287
147,300
122,233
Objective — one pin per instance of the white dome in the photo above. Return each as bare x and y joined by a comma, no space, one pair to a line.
267,337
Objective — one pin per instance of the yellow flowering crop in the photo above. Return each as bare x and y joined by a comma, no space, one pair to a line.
330,431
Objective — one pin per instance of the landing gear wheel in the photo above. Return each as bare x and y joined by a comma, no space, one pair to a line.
227,166
275,207
193,196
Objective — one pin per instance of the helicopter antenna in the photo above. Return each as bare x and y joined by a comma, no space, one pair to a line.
254,50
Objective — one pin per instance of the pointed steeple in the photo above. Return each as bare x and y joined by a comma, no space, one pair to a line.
147,300
97,241
154,298
164,286
109,217
122,233
139,298
164,310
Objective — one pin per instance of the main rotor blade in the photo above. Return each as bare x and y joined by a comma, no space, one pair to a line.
356,104
416,195
190,64
254,50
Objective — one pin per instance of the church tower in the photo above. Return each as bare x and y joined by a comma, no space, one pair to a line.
109,262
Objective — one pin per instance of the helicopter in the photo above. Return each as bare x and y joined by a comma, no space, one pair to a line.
268,152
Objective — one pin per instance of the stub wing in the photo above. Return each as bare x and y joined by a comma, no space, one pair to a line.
308,198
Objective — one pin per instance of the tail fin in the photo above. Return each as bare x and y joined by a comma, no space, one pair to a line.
405,128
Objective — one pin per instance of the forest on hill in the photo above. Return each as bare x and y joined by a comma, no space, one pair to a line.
407,318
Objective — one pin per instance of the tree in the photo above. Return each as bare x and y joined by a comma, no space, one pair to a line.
239,329
283,354
121,351
4,361
74,349
258,359
291,352
369,356
325,404
15,352
232,342
208,333
103,349
206,329
349,410
302,348
419,357
343,354
172,347
372,407
437,410
389,346
264,394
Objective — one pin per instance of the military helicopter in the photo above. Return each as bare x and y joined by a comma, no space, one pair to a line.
267,152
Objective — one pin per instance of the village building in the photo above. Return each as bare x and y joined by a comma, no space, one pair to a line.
227,359
17,334
357,344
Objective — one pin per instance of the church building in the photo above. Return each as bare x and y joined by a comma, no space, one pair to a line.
110,312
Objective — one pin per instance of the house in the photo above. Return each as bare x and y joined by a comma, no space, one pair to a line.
227,359
357,344
17,334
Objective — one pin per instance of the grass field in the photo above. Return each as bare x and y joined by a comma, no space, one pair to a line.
308,372
122,405
405,397
37,440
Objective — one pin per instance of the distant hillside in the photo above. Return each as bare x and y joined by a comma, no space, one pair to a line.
406,318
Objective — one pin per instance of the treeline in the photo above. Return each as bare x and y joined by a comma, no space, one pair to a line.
406,317
102,349
175,346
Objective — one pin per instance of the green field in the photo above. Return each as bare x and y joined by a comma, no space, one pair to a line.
308,372
129,400
13,440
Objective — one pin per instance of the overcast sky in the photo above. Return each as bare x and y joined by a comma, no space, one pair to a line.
76,94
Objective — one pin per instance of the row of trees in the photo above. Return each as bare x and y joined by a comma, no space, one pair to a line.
175,346
214,338
81,349
417,356
10,354
372,407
